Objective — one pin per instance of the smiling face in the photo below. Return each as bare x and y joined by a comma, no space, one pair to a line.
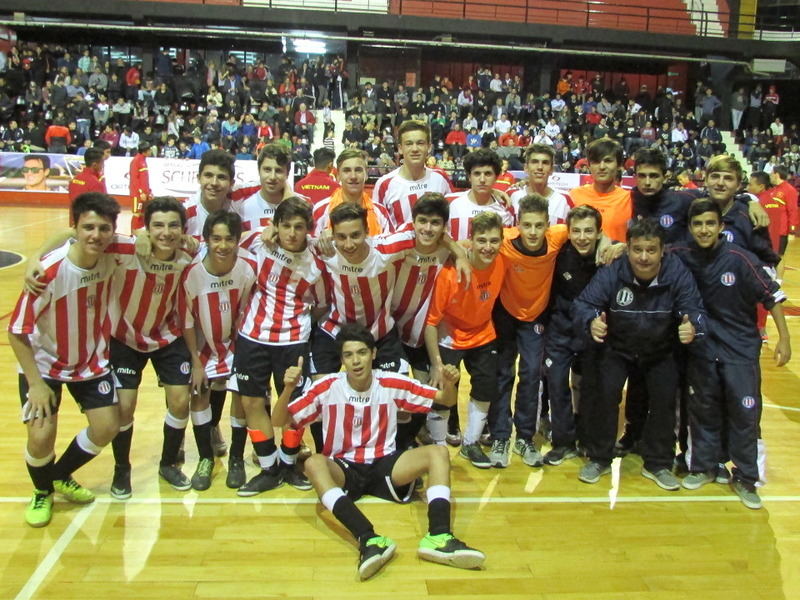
583,235
722,186
222,246
705,229
352,175
165,229
538,168
414,148
357,359
486,247
93,234
350,239
532,229
35,174
645,256
215,183
273,179
429,230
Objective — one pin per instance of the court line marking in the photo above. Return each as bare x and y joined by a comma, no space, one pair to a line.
457,499
7,229
792,408
49,561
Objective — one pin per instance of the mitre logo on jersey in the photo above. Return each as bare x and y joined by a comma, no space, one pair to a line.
351,269
666,221
728,235
358,399
221,284
426,259
624,296
282,257
728,279
418,188
161,267
90,278
224,307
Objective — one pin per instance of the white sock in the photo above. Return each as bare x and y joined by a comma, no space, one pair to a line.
201,417
267,461
438,491
477,413
330,497
437,426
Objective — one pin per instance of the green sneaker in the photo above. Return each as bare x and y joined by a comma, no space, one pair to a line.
73,491
201,480
375,553
40,510
446,549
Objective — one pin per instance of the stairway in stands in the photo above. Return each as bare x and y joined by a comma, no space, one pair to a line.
733,148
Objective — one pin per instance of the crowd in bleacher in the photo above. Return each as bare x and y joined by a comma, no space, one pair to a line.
58,100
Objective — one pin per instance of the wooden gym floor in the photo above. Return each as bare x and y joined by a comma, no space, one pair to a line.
545,534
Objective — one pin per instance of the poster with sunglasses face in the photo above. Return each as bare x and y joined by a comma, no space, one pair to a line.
38,172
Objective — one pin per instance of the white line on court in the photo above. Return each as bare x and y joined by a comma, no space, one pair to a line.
463,500
55,553
7,229
792,408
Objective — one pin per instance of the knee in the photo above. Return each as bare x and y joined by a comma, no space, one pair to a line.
439,454
314,465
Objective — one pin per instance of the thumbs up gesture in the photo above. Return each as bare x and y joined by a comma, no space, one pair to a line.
599,328
685,330
294,375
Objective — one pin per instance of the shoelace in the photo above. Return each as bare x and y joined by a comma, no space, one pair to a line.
40,500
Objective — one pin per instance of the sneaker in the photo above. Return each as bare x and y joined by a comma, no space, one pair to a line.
40,509
265,481
486,437
592,471
694,481
559,454
237,476
474,454
663,478
218,442
626,445
747,494
201,480
545,428
121,484
424,437
73,491
723,475
530,455
294,477
453,436
446,549
499,454
175,477
375,553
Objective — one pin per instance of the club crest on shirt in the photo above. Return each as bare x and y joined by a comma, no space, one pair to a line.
728,235
727,279
186,368
104,387
666,221
748,402
224,307
624,296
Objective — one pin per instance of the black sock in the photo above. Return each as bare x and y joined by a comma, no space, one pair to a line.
172,442
72,460
202,435
42,477
316,434
217,401
121,445
346,511
238,441
438,516
452,421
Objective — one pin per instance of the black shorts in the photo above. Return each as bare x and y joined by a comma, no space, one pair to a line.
374,479
325,357
254,363
89,393
481,364
783,242
417,358
173,364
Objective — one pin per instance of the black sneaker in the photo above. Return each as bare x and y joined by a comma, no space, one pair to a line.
266,480
559,454
294,477
201,480
446,549
237,476
374,553
121,484
175,477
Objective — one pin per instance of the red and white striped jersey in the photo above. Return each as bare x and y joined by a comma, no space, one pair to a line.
212,305
256,212
558,205
144,306
196,214
399,195
463,210
68,324
288,284
413,290
362,293
322,221
360,426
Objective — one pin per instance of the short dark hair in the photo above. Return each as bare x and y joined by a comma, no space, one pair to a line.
781,172
278,153
354,332
102,144
539,149
323,157
585,211
348,211
223,217
143,147
704,205
762,178
431,204
483,157
601,148
652,157
92,156
43,158
218,158
646,228
532,203
164,204
101,204
291,207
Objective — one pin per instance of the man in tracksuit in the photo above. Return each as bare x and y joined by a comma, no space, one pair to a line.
575,266
724,374
638,309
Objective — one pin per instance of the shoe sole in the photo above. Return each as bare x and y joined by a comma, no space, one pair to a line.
201,487
372,566
694,486
250,494
181,488
749,504
480,465
499,464
652,477
537,463
38,525
119,495
594,479
455,443
302,488
463,559
559,461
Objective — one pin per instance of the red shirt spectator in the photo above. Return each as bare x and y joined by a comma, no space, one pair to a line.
456,136
317,185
